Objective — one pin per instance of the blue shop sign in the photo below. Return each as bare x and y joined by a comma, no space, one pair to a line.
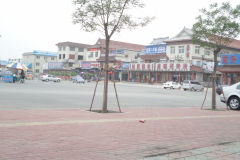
7,78
155,49
230,59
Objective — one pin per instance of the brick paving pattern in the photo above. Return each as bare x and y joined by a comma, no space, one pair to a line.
74,134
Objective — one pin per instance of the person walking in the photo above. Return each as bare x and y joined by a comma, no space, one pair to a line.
22,74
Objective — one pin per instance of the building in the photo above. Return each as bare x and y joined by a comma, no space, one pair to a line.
71,54
39,60
156,51
185,61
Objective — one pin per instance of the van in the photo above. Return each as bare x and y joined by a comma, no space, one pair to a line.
192,85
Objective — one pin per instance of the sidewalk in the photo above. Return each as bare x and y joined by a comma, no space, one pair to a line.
74,134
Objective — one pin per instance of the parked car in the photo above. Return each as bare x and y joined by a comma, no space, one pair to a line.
192,85
171,85
78,79
47,77
231,96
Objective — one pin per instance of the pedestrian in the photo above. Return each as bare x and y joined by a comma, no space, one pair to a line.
14,77
22,74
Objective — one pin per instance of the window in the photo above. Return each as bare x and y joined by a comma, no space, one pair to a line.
37,64
90,55
38,57
59,48
64,48
52,58
80,49
238,87
72,48
80,57
59,56
180,49
37,70
63,56
96,54
172,51
197,49
207,51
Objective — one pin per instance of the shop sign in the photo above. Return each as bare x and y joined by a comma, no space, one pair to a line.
55,65
7,78
230,59
208,66
89,65
172,67
155,49
159,67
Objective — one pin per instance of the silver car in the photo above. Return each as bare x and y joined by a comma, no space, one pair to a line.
231,96
192,85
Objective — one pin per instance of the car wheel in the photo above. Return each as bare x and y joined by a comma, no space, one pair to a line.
234,103
192,89
164,87
171,87
184,89
47,80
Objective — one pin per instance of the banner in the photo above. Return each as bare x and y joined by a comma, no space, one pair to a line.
159,67
230,59
55,65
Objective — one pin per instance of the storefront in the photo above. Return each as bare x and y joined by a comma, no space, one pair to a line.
230,68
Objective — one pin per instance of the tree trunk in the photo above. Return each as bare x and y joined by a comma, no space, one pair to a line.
105,91
214,76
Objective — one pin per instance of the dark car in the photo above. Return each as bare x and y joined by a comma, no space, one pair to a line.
219,89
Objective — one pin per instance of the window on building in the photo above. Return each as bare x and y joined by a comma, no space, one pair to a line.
59,56
80,57
172,50
60,48
197,49
37,70
207,51
37,64
52,58
80,49
96,54
64,48
63,56
90,55
72,48
180,49
38,57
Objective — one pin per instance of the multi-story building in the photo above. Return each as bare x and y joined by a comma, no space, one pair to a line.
15,60
71,54
185,60
39,60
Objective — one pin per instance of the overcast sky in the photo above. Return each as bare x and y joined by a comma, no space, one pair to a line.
27,25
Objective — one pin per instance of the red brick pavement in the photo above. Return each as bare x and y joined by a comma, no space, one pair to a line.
75,134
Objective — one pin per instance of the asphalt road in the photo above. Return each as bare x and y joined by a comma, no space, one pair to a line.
36,94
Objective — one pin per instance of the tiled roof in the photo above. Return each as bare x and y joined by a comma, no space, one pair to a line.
235,44
74,44
120,45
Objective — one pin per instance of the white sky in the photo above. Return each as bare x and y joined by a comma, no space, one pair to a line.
27,25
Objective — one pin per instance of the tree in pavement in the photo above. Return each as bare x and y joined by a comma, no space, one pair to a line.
216,28
107,17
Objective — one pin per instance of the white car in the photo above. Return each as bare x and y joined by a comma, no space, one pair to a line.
47,78
171,85
231,96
